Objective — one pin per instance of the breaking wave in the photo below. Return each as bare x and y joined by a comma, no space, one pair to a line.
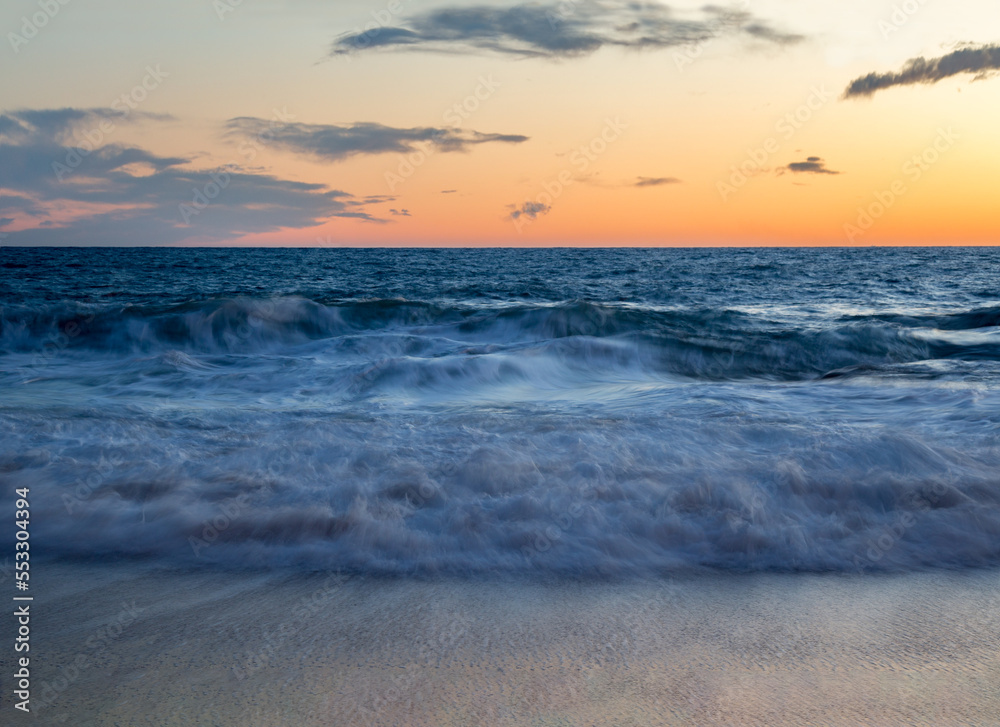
473,414
701,343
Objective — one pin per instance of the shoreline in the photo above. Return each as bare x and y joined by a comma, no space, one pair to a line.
170,648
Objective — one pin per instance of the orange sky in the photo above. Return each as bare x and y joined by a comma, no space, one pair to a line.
687,142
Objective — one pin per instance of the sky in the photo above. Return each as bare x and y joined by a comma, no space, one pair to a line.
461,123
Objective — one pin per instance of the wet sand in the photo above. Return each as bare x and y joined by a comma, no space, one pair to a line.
123,646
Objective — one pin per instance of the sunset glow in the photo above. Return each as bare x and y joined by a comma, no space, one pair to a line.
404,123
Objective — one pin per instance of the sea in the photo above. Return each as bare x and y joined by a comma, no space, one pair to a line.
552,413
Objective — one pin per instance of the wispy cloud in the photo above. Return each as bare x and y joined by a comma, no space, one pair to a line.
980,60
597,180
562,30
62,125
655,181
812,165
337,142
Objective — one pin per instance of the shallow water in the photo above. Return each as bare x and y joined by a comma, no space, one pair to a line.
581,412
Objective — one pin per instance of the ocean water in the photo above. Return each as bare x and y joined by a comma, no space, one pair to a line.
468,412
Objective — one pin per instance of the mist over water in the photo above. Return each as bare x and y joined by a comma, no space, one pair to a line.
577,412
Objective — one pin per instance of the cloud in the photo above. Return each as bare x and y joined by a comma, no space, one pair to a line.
655,181
597,180
65,125
377,199
400,213
561,30
448,191
332,142
123,195
980,60
812,165
531,210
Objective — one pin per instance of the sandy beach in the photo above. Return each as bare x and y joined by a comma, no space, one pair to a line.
128,646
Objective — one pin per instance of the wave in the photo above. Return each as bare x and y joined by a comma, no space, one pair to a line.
484,493
712,344
481,412
986,317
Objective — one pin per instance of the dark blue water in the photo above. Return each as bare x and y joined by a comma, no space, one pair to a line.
606,412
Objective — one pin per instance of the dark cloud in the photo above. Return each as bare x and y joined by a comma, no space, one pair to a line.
110,202
63,125
980,60
561,29
448,191
655,181
762,31
339,142
812,165
531,210
400,213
